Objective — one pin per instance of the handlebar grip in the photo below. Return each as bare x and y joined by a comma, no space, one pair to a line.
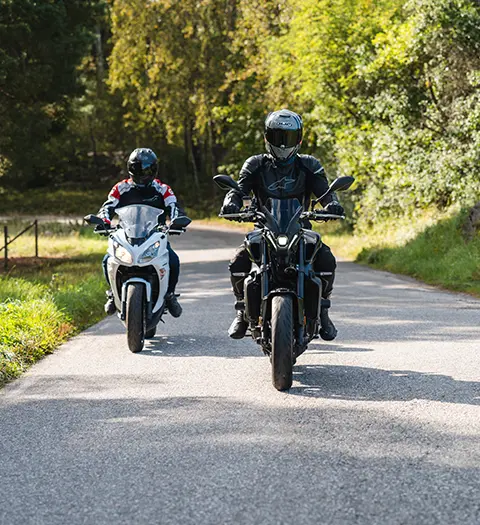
322,216
238,216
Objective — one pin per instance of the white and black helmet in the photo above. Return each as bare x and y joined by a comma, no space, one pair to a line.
283,134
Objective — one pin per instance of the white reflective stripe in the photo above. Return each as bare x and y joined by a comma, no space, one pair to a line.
324,273
173,211
170,200
239,274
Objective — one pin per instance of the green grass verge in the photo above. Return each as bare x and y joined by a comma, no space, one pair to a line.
433,251
42,303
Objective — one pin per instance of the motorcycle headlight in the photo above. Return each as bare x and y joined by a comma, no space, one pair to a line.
282,241
150,253
122,254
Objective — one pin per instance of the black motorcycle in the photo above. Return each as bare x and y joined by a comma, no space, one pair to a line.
283,296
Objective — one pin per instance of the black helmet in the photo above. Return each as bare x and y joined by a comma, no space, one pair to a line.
142,166
283,134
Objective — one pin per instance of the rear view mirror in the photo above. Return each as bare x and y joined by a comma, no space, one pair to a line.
180,223
341,184
93,219
225,183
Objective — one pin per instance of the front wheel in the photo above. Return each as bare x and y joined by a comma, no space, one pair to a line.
135,318
151,333
282,342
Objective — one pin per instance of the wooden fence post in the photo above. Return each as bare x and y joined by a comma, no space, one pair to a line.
5,231
36,238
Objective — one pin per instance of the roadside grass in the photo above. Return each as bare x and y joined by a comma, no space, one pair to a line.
432,249
45,301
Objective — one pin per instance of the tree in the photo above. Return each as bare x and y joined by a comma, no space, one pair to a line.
41,44
169,62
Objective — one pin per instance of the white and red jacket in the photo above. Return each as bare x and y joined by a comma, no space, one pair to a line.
126,192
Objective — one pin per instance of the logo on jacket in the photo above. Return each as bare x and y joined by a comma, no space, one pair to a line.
155,198
282,184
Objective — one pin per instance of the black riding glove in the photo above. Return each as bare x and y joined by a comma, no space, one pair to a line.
230,207
335,208
102,229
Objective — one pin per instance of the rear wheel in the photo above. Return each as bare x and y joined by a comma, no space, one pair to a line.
282,341
135,318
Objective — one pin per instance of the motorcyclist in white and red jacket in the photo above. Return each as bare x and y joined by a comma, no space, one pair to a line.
143,187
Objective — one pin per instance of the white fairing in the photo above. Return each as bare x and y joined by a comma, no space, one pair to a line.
123,253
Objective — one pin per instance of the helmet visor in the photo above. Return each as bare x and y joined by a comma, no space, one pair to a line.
287,138
142,172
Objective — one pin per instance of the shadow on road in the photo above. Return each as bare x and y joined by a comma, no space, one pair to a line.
194,345
373,384
214,460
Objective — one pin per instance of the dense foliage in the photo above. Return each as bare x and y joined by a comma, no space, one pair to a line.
389,91
41,44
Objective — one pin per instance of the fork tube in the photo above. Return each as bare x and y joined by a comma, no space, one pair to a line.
301,282
301,269
264,270
264,284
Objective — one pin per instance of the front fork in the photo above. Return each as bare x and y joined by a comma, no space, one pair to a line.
302,271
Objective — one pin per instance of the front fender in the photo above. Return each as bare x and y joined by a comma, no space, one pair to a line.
148,289
297,303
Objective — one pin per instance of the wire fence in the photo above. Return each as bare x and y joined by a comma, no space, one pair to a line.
8,241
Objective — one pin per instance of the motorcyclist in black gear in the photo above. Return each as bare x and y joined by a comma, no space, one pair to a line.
143,187
282,173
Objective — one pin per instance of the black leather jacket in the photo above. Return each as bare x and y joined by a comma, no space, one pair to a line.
265,178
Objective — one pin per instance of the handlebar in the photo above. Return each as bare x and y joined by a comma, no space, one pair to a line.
319,216
163,229
255,216
104,231
242,217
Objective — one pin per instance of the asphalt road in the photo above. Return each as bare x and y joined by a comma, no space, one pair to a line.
382,426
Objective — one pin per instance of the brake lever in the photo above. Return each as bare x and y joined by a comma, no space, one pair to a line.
177,232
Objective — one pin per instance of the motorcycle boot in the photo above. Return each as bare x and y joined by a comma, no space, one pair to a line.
173,305
239,326
328,332
109,307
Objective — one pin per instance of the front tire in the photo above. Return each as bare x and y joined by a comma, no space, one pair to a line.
151,333
282,342
135,318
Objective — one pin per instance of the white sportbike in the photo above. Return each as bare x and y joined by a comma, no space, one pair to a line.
138,267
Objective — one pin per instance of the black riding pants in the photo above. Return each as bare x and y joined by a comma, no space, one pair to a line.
323,266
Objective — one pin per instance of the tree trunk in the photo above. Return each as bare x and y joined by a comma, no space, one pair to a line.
190,152
100,60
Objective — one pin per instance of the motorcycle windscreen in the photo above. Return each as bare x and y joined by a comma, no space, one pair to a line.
284,211
138,220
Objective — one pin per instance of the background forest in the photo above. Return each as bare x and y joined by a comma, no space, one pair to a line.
389,91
